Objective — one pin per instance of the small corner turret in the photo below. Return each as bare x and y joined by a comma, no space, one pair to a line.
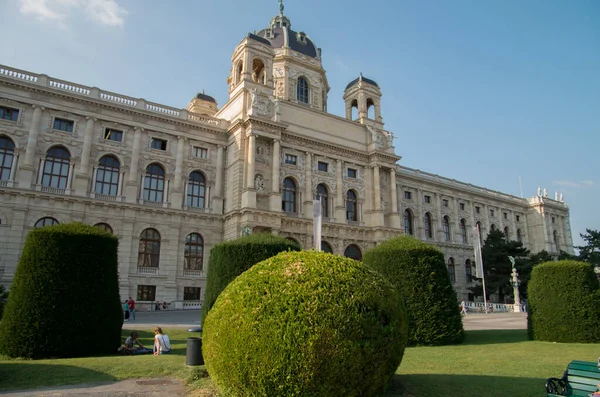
364,95
203,104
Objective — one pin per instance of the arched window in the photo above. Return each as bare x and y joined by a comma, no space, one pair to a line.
322,195
288,196
480,232
302,90
56,168
46,221
506,234
107,176
196,190
258,71
193,252
408,222
452,270
370,109
238,72
492,228
104,226
351,206
428,225
7,154
446,228
154,183
556,243
463,231
468,271
325,247
352,251
354,110
519,237
149,252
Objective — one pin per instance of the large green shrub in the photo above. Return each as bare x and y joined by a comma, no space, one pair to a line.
64,300
231,258
419,272
564,303
305,324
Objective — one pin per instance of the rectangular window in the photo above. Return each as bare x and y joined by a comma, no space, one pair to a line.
159,144
505,215
407,195
322,166
491,212
552,219
518,218
63,125
191,293
427,199
477,210
200,152
9,113
113,135
291,159
462,206
351,173
146,292
445,203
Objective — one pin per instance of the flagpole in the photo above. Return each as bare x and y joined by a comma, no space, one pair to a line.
482,271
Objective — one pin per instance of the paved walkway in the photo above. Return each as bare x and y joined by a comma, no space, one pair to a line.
191,318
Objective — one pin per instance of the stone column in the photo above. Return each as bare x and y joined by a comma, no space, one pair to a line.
420,221
27,169
133,180
308,194
457,219
177,193
376,189
394,213
217,199
340,208
275,195
249,194
82,178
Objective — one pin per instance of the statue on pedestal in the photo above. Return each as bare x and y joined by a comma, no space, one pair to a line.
514,280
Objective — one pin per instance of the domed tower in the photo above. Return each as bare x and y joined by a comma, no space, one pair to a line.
364,95
298,73
203,104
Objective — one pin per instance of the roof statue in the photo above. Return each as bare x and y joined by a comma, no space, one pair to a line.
281,7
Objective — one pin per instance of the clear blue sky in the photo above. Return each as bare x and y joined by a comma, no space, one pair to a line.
479,91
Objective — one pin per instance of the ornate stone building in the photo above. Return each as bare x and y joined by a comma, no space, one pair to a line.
171,183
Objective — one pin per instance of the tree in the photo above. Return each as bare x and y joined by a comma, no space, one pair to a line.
496,265
590,253
3,299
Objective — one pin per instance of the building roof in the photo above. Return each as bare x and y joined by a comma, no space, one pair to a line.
364,80
205,97
286,37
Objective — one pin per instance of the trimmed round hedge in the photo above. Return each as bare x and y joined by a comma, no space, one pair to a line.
564,303
419,272
231,258
64,300
305,324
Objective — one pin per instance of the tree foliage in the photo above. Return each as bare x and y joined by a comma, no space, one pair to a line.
590,253
497,267
3,299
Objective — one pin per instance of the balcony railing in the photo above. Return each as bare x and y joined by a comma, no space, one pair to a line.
192,273
147,270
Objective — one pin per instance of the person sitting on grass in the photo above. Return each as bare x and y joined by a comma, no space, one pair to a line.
162,344
129,349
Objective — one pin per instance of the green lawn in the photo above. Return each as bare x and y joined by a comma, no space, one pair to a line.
489,363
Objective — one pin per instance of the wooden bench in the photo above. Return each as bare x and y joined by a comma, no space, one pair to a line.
579,380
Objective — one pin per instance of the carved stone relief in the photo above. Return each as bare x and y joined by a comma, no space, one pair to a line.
263,151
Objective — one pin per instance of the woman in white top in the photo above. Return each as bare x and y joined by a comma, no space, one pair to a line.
162,344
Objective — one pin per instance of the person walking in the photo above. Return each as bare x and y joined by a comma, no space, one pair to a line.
126,310
131,304
463,308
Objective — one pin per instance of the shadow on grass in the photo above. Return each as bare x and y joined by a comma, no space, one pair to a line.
492,337
21,375
432,385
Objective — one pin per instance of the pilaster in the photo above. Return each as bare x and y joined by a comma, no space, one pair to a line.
275,195
133,179
27,169
82,177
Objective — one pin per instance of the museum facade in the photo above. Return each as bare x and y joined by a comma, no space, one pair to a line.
172,183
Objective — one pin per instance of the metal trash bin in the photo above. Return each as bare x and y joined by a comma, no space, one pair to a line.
193,352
